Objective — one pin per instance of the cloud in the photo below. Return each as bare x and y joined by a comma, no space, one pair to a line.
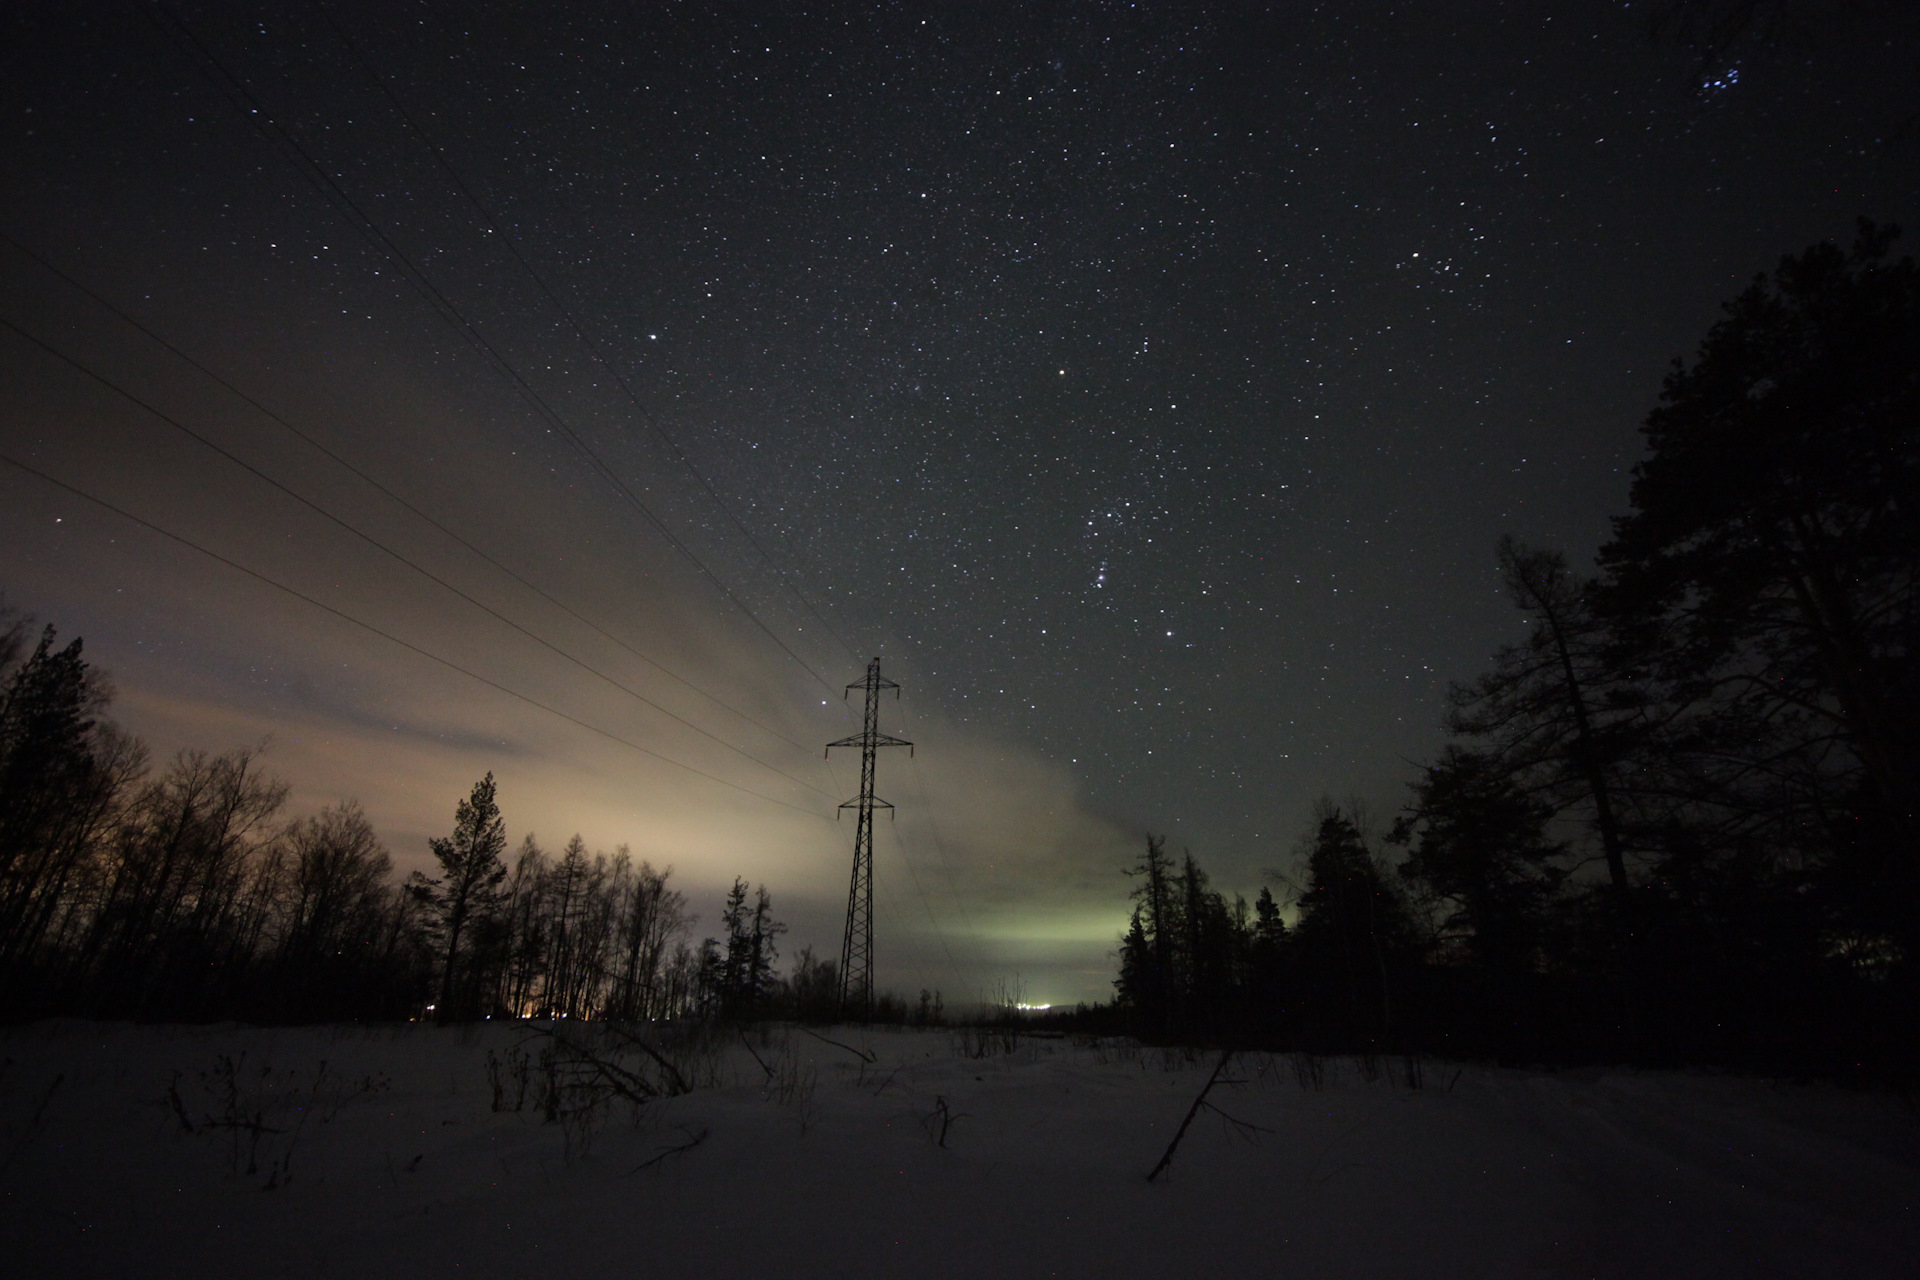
991,864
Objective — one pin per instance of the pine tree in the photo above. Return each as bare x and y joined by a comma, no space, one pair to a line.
471,871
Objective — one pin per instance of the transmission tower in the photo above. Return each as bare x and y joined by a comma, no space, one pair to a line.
856,951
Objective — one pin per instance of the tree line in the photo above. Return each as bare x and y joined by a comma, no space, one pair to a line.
185,892
1676,822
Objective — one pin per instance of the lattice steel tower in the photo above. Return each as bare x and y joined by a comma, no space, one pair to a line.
856,952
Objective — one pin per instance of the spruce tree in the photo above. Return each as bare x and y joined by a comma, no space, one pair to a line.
1353,936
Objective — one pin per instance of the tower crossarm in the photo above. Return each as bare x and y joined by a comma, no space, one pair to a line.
878,740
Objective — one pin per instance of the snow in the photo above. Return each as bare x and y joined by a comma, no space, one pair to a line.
822,1164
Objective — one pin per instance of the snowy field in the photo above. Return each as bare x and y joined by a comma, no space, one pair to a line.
416,1151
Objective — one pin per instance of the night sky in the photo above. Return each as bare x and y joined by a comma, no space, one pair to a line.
1146,384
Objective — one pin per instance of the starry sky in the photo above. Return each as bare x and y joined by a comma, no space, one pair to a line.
587,392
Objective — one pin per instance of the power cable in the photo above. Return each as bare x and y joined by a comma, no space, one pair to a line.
405,644
389,493
925,903
940,846
493,227
250,107
389,551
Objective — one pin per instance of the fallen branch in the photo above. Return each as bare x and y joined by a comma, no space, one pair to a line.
676,1083
33,1126
1192,1111
255,1125
179,1104
861,1054
693,1141
756,1057
1245,1128
630,1085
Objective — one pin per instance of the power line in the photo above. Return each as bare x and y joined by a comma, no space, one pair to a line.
940,846
250,107
926,904
383,489
389,551
579,332
405,644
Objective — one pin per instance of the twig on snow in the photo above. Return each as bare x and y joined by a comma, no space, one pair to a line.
861,1054
756,1057
941,1120
693,1140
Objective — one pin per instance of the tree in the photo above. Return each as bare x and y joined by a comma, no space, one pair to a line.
1773,548
471,871
64,773
169,927
333,913
762,952
1556,714
1267,964
1149,981
1353,934
524,919
1137,986
650,917
744,972
1479,845
568,891
814,987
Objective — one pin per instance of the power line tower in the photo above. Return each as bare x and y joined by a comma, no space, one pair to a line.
856,951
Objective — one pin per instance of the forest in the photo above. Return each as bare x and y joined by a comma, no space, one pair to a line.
1675,824
183,893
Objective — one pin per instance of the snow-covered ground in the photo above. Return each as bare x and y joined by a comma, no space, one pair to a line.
229,1151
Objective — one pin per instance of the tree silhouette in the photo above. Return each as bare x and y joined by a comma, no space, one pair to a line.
1149,975
1773,548
471,871
1478,843
1556,713
1353,934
